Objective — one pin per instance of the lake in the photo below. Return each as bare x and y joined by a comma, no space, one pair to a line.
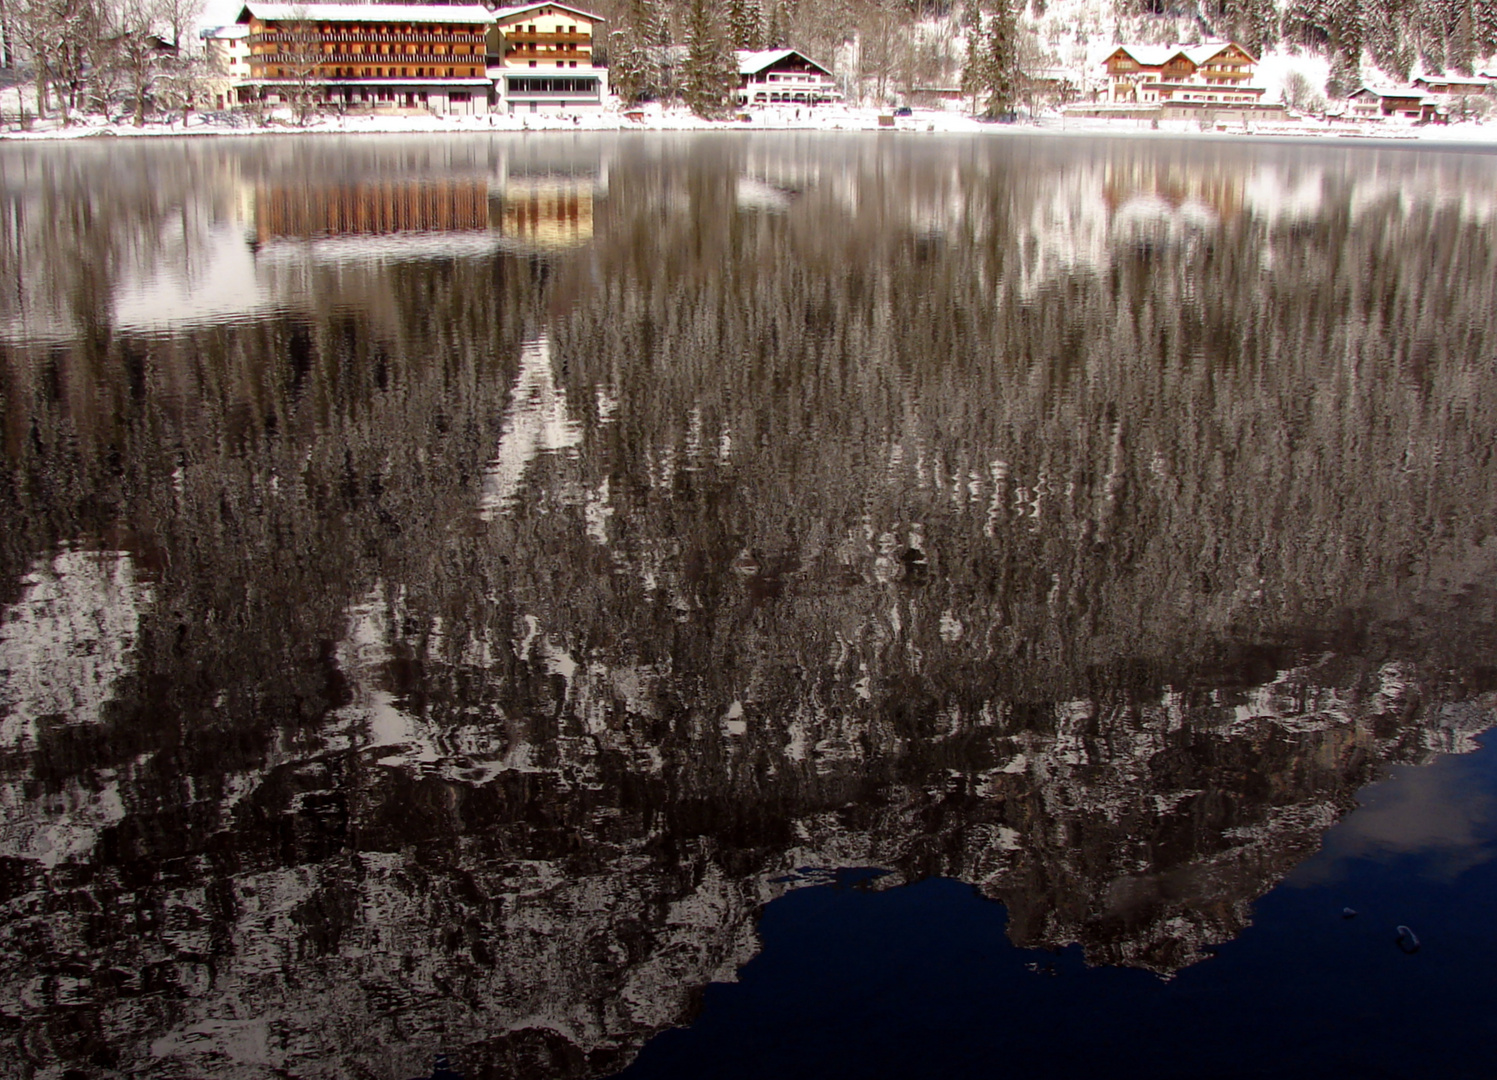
740,605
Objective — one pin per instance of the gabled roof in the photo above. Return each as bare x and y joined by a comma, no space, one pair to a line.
751,63
1159,55
1454,80
1200,54
501,14
1148,55
380,13
1387,92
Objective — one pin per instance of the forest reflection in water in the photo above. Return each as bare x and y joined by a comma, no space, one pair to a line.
451,586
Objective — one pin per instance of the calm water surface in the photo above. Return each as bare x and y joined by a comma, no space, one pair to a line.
747,606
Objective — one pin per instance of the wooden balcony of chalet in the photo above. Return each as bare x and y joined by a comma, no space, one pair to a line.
297,37
534,53
522,37
323,58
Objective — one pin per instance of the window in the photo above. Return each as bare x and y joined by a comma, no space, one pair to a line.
553,86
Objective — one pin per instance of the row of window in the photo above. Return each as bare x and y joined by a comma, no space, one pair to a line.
810,76
380,72
388,50
553,86
342,28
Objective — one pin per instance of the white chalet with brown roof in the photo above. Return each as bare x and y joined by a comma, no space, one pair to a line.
783,76
1219,72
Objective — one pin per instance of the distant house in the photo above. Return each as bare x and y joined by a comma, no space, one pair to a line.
783,76
1220,72
1454,86
1374,103
1058,84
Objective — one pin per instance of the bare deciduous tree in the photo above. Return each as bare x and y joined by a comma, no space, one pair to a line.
299,58
184,84
60,36
130,44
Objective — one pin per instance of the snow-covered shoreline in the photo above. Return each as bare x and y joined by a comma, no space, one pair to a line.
823,120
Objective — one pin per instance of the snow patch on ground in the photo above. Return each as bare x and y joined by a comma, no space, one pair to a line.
828,119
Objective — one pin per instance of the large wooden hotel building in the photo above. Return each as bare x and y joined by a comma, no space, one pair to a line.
438,58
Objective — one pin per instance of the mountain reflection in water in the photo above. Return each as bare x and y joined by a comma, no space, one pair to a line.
439,614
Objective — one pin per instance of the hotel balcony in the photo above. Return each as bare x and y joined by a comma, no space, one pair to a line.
548,39
281,37
382,59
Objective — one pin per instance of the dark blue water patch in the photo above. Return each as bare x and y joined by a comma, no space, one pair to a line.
921,980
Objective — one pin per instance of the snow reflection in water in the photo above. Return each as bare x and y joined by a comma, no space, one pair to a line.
1087,523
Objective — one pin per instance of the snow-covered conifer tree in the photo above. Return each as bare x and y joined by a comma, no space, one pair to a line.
711,71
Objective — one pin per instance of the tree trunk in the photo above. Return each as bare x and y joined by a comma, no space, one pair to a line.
7,54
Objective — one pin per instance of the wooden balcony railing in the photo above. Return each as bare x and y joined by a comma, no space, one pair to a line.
367,59
545,39
279,36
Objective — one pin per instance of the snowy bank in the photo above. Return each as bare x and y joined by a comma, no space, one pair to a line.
830,119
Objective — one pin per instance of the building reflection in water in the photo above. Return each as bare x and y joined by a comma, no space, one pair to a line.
302,212
519,212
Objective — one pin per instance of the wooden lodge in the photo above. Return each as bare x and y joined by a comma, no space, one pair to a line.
441,58
429,57
1218,72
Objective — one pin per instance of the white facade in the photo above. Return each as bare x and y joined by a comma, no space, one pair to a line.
227,49
542,60
783,76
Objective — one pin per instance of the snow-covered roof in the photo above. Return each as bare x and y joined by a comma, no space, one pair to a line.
1454,80
1388,92
501,14
751,63
1148,55
380,13
233,30
1200,54
1159,55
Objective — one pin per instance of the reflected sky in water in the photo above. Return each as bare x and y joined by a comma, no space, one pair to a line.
480,596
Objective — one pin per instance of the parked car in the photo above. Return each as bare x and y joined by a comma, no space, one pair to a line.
904,110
